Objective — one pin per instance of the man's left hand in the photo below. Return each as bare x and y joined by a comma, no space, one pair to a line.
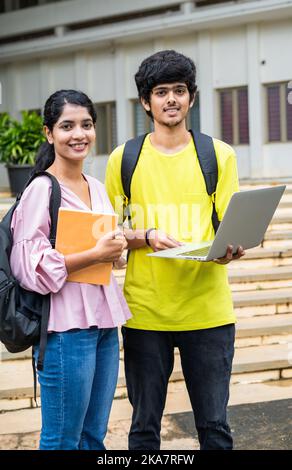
229,256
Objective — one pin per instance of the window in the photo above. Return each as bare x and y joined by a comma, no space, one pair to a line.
11,5
233,103
142,122
27,3
279,113
106,128
193,118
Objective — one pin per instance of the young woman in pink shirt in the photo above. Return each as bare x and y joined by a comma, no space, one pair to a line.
81,361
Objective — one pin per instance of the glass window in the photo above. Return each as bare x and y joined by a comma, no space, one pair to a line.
226,114
279,112
234,122
193,119
27,3
289,112
274,117
243,128
142,122
106,128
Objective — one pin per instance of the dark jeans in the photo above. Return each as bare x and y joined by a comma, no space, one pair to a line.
206,359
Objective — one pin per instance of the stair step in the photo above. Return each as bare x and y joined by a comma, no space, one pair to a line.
26,421
264,257
258,358
264,325
278,235
261,253
254,275
259,298
16,377
285,203
279,324
282,216
256,183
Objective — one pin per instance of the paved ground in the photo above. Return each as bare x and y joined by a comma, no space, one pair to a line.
257,426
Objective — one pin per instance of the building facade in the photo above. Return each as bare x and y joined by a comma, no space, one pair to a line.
242,50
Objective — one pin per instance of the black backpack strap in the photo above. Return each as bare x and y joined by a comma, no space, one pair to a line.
130,159
55,202
34,378
44,331
209,167
43,343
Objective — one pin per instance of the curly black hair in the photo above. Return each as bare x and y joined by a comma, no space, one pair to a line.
166,66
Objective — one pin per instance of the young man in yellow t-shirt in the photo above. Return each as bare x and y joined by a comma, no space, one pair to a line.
175,303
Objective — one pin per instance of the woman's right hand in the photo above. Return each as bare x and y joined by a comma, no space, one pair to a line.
110,247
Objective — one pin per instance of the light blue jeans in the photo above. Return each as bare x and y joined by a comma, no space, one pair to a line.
77,388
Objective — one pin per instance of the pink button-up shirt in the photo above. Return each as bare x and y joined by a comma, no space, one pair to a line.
40,268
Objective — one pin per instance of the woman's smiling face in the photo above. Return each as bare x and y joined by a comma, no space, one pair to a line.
73,134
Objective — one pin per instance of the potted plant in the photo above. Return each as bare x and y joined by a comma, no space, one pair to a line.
19,142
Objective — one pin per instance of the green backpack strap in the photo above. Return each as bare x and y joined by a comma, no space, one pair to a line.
207,160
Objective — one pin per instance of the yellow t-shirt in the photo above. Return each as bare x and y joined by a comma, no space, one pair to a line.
168,192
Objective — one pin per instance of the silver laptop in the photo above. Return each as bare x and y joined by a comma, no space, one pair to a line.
244,224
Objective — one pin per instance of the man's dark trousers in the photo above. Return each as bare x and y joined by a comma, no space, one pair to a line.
206,359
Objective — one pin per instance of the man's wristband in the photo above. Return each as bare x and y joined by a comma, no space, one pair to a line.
147,235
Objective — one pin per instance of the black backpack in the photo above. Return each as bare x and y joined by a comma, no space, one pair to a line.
207,160
24,315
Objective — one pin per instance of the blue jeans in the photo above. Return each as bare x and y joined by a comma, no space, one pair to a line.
77,388
206,358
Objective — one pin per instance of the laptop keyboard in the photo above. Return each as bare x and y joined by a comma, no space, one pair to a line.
200,252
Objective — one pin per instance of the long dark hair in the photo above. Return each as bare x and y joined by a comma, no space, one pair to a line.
52,111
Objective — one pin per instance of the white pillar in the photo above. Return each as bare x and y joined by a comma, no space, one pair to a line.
12,91
158,45
255,113
81,71
205,82
187,7
45,88
60,31
123,106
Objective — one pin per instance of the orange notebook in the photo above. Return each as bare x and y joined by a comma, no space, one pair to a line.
80,230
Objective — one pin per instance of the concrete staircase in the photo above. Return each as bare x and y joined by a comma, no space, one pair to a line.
261,284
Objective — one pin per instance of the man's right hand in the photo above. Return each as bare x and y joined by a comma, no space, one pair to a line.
160,240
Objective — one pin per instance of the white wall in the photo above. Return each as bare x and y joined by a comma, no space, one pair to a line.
99,76
277,158
275,49
134,55
243,160
229,55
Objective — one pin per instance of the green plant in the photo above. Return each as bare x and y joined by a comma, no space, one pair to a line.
20,140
